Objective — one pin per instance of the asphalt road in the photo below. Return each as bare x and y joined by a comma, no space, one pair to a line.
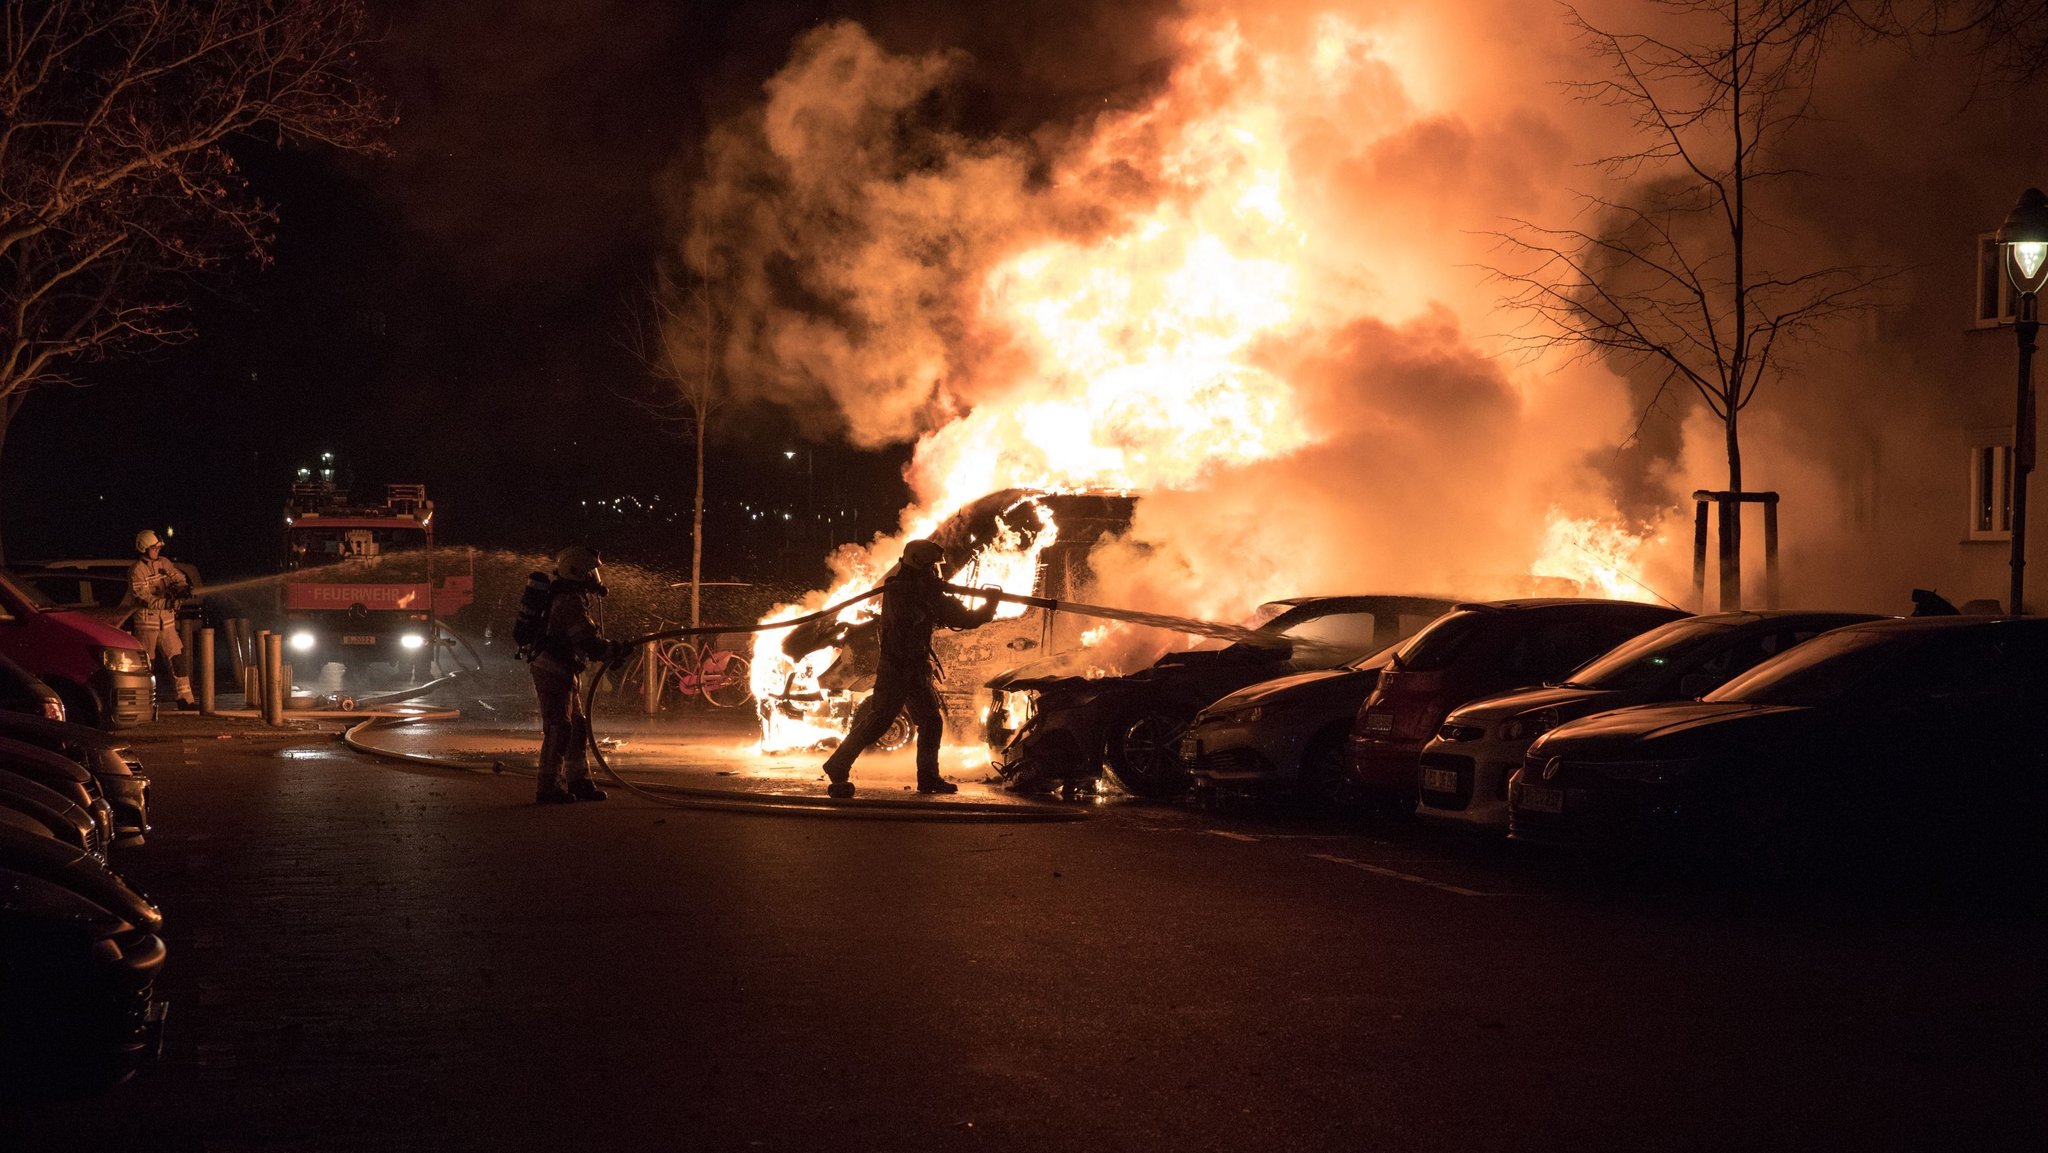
376,957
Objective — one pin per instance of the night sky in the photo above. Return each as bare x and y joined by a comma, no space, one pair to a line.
452,314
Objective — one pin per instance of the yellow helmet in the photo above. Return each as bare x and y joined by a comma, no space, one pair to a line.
147,539
578,562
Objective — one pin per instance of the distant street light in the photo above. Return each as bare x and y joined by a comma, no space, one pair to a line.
2024,244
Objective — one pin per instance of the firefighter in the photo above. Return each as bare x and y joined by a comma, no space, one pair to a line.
158,586
914,602
571,639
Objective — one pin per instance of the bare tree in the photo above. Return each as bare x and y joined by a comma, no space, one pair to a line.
117,185
679,335
1666,277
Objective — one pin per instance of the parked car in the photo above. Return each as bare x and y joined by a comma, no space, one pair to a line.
22,691
1466,766
99,672
116,771
106,579
80,954
1885,739
1474,651
31,807
1284,735
1047,729
63,775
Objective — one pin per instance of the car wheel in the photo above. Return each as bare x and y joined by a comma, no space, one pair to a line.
1144,751
899,733
1322,779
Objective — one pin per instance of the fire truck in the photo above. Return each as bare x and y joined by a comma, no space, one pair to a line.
366,584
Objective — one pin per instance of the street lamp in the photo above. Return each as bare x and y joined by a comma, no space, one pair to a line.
2023,242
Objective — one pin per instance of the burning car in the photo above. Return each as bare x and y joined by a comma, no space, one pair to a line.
1048,730
808,680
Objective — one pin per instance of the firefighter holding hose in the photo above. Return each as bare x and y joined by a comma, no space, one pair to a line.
159,586
914,602
569,638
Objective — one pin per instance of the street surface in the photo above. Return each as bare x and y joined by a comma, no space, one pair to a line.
368,955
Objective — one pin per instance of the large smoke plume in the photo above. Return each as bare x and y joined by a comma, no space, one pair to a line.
872,250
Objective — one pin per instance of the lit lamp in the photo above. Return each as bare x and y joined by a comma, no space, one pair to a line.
2024,244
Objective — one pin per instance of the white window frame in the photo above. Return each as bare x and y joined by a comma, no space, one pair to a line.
1995,295
1990,468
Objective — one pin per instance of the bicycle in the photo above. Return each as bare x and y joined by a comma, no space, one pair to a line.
691,667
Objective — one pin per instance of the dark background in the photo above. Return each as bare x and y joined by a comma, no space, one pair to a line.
453,314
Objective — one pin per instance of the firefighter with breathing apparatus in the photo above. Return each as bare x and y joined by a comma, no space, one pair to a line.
159,587
566,638
914,602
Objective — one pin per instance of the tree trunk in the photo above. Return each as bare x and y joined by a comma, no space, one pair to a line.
8,407
1731,523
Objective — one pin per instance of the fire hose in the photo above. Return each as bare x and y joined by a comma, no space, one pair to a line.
1159,620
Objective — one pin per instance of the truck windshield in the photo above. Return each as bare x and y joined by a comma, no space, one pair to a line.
311,547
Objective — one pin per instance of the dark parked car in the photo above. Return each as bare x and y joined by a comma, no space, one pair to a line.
1465,768
100,672
1475,651
1048,729
31,807
116,771
79,956
22,691
58,772
1285,735
1899,735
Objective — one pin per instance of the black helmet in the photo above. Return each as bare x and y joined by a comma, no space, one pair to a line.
923,553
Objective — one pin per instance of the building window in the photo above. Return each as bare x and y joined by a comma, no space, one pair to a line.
1991,492
1994,287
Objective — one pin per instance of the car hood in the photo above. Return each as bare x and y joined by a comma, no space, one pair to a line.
1574,701
44,732
48,859
93,630
1299,688
1668,727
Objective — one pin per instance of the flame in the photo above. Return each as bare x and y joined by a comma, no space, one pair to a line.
1600,556
1146,350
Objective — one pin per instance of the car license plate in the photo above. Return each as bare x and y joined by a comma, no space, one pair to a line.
1191,748
1379,722
1440,780
1539,800
359,640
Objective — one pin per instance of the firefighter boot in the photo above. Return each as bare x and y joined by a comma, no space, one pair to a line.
935,784
582,789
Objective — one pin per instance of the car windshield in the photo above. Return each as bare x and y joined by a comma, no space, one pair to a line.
1439,644
1327,641
1814,673
1375,660
24,592
1649,657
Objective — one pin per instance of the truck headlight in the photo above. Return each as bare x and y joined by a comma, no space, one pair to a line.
302,642
119,660
411,641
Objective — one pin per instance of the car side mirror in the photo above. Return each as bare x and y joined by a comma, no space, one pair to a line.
1697,684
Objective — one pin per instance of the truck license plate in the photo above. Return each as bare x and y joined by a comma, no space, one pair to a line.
359,640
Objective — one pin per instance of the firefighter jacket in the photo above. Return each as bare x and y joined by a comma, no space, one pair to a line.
572,635
157,586
914,602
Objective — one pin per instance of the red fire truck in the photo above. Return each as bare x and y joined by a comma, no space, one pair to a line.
369,585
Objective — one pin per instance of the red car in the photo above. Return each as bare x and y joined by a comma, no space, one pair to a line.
99,672
1476,650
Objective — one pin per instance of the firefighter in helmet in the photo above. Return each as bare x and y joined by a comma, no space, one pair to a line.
914,602
159,587
572,639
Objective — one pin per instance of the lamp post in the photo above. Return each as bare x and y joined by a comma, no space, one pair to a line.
2023,243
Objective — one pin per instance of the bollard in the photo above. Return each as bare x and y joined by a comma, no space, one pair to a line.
258,689
273,677
202,671
650,677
